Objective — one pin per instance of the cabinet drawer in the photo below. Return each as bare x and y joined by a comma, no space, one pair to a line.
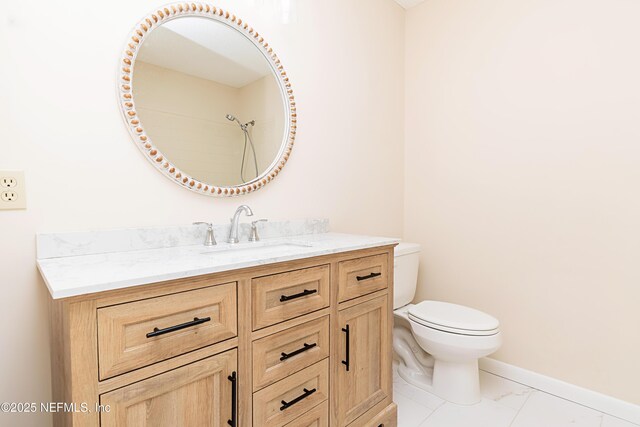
317,417
362,276
281,354
283,296
141,333
286,400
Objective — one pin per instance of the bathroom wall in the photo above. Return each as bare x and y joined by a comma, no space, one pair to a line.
258,102
59,121
185,117
522,152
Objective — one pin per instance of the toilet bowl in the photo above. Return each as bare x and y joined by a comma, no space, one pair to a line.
438,344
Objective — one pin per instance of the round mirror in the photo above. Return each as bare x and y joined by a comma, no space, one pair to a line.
207,100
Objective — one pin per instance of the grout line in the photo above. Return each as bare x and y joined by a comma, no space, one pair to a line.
426,408
424,419
432,412
523,405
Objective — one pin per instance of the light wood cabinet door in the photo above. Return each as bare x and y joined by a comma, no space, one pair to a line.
363,377
195,395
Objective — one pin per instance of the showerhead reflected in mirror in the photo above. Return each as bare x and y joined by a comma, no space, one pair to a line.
212,102
247,138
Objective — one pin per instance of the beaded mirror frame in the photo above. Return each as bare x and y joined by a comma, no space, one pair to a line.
136,127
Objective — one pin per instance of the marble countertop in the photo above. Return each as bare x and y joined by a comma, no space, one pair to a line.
68,276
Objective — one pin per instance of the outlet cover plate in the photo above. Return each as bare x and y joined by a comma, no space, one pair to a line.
13,192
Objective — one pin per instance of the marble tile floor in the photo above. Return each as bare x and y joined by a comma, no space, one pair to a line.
504,404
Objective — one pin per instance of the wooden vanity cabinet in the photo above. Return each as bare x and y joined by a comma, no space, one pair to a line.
262,346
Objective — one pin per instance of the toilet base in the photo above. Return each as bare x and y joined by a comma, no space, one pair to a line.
420,379
457,382
454,382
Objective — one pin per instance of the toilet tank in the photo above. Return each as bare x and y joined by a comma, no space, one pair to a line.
405,273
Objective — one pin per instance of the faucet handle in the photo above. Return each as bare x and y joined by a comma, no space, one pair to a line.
253,237
210,239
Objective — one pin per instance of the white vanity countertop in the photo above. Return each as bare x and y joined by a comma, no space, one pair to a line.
69,276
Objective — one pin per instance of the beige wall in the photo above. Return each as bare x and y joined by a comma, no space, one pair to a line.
59,121
522,176
185,116
261,101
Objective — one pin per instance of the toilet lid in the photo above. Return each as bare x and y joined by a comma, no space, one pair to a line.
453,318
405,248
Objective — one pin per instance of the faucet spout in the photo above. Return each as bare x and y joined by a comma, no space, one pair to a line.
233,232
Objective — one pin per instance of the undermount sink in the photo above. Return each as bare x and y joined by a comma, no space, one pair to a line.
255,247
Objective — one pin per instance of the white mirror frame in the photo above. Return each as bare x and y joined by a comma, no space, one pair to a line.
136,128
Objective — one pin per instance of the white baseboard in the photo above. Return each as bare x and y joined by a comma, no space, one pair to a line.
598,401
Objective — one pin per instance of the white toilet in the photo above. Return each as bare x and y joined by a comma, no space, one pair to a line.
438,344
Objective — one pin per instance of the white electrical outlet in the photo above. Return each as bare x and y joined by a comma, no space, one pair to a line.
12,190
9,196
8,182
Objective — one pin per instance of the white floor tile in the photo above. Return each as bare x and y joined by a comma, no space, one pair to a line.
410,413
487,413
503,391
609,421
504,404
418,395
542,409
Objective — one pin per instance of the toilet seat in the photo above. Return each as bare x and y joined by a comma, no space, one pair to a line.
453,318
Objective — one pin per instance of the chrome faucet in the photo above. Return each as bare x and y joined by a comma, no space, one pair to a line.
210,240
233,232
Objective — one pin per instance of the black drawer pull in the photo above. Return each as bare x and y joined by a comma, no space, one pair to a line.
346,331
304,293
304,395
298,351
234,391
368,276
194,322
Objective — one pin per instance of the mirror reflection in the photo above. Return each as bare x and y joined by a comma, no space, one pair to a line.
209,101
